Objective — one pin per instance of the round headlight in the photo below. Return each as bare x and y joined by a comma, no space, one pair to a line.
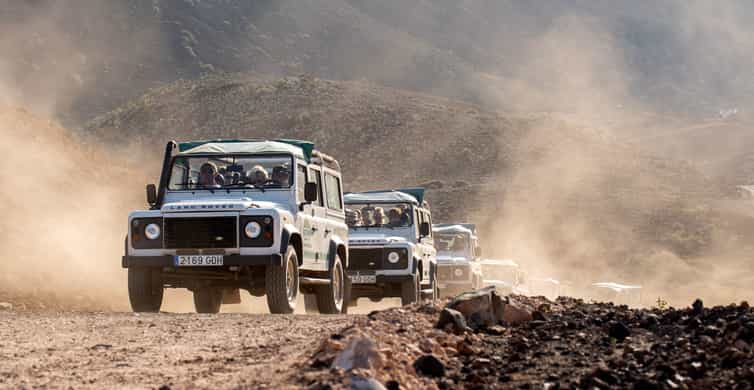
393,257
152,231
253,229
458,272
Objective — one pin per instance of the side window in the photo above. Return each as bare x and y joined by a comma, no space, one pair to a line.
300,182
318,179
332,188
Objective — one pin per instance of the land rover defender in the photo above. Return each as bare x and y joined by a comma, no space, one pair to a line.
391,250
258,215
458,251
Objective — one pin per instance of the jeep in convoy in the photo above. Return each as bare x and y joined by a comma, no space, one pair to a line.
391,252
458,251
506,275
263,216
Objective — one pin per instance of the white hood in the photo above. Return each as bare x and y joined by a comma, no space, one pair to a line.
207,205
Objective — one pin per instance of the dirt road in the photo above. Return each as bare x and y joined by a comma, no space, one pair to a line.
118,350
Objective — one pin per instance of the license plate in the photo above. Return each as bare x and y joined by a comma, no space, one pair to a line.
363,278
198,260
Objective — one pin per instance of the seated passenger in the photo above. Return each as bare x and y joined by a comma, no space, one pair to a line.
281,176
379,216
367,216
257,176
396,217
208,176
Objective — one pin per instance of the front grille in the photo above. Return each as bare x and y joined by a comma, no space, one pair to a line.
201,233
365,259
448,272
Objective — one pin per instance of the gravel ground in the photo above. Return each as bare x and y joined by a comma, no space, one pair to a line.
124,350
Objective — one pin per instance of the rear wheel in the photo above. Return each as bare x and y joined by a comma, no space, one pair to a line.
208,300
281,284
410,290
330,298
145,290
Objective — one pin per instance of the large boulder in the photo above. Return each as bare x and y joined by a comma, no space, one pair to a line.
485,308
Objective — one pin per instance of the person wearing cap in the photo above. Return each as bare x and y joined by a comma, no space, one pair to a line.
281,176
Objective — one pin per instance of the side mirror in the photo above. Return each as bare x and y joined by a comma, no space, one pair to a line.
424,229
478,250
310,192
151,194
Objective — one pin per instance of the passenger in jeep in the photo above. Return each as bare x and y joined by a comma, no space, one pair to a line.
395,215
280,176
257,176
209,176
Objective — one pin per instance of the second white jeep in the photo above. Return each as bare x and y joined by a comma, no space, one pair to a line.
391,248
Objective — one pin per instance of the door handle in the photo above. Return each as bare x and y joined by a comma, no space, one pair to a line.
327,231
314,229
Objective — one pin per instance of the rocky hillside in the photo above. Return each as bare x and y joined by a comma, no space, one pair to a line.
672,55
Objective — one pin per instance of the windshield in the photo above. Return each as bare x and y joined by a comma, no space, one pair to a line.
215,172
500,272
390,215
453,243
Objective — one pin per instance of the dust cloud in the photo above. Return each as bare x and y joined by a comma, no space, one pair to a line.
582,205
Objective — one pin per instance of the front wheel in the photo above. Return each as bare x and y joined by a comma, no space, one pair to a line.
208,300
410,290
330,298
145,290
281,284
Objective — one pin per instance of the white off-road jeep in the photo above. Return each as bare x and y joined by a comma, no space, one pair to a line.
263,216
458,251
391,250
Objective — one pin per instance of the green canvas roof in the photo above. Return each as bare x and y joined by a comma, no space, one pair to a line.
301,149
385,196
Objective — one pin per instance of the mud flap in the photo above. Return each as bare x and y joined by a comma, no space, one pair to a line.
231,296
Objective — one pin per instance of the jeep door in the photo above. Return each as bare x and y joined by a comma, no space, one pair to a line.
306,215
336,217
320,239
425,246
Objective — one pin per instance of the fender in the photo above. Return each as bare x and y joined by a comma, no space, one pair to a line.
285,235
335,242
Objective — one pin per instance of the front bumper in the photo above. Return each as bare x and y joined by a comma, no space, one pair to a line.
385,286
228,260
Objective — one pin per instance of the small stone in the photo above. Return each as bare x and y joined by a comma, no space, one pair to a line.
619,331
361,352
698,307
6,306
429,365
392,385
452,320
538,316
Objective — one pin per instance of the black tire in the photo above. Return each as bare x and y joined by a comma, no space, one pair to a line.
145,290
310,304
331,298
347,300
410,290
281,284
435,288
208,300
